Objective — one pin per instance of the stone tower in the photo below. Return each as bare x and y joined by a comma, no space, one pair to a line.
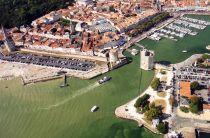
147,59
113,57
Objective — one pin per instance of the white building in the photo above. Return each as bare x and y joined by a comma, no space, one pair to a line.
147,59
84,2
155,122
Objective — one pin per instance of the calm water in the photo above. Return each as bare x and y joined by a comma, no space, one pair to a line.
204,135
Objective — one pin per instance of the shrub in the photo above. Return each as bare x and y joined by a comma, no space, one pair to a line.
155,83
162,127
205,56
184,109
163,72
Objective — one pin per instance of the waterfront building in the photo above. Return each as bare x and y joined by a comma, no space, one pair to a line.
84,2
147,59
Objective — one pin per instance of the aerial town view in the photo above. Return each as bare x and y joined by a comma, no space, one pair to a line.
105,69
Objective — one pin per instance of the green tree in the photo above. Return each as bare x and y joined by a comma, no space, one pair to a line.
153,112
19,12
141,101
195,104
194,86
145,108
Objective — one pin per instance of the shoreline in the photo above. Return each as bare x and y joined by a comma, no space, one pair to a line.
121,112
31,73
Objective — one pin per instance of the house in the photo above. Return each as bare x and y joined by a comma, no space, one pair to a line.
207,62
206,106
155,122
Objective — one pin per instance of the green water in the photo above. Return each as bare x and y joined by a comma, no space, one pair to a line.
25,112
45,110
204,135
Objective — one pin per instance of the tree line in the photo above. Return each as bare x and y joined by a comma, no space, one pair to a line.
21,12
148,23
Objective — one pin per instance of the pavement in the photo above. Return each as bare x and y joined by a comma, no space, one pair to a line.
31,73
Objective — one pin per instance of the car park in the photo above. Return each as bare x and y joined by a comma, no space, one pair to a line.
75,64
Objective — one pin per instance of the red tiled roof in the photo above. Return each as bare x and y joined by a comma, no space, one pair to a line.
1,37
206,106
185,89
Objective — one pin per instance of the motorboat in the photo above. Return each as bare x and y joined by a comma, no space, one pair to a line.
184,51
94,108
208,47
104,79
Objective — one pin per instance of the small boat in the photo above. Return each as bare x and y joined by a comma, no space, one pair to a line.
184,51
208,47
104,79
94,108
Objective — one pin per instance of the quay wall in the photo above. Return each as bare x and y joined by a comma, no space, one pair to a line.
187,62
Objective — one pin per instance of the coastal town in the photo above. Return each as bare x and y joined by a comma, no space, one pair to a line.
89,38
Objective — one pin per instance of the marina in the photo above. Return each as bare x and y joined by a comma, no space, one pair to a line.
179,29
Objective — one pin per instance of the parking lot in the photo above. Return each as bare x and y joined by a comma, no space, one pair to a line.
74,64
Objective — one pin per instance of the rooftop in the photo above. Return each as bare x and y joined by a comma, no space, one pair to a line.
185,89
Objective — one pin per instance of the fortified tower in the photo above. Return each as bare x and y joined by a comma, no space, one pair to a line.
147,59
113,57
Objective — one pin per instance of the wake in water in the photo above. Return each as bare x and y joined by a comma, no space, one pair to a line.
77,93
